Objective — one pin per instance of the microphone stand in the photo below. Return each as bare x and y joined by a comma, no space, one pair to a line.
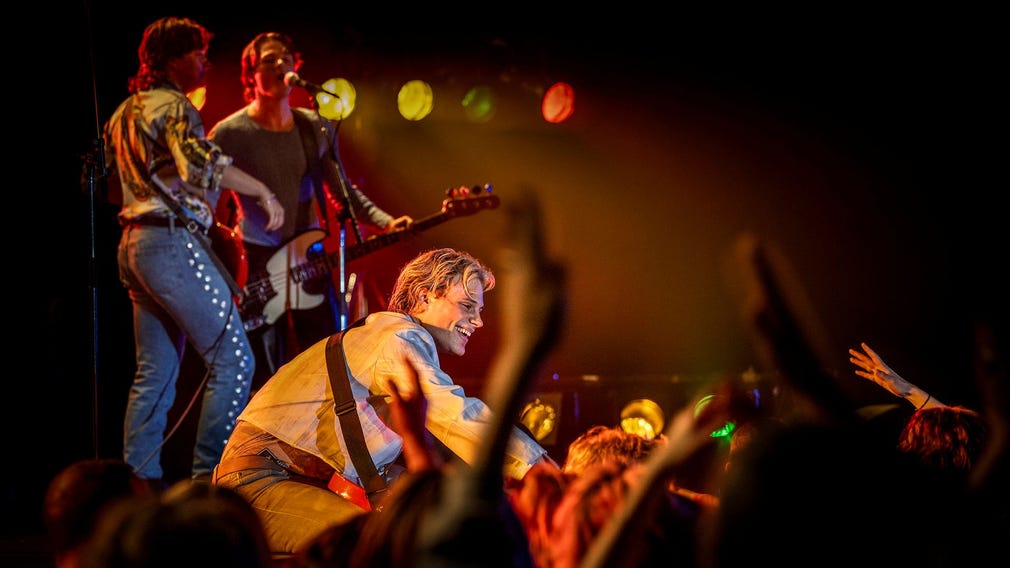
347,214
94,166
94,171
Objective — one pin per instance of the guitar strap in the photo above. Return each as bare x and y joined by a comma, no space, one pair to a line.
315,165
344,406
311,147
196,230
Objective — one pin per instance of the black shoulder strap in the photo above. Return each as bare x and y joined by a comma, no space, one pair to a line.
315,166
343,405
311,146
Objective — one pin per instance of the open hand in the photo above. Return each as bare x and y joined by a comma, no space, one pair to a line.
875,369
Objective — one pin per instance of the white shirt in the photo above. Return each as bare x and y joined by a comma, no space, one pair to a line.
296,404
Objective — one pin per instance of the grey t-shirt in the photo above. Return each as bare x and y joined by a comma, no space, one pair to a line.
278,159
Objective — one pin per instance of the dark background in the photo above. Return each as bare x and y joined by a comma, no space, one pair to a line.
858,142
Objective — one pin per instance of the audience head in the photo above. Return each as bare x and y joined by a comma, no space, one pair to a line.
590,500
535,498
606,444
191,524
333,546
77,497
745,432
596,496
946,439
388,538
409,523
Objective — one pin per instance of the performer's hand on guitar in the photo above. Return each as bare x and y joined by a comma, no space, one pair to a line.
400,224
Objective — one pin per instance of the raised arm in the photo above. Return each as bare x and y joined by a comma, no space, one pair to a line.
872,367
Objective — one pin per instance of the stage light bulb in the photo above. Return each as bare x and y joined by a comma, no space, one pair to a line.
415,100
479,104
558,103
539,418
642,417
340,106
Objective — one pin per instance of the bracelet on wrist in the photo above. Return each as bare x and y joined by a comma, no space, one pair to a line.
923,405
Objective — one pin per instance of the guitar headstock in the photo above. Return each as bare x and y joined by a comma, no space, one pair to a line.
469,200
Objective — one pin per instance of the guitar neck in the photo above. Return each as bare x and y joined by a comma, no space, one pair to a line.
451,208
383,240
290,266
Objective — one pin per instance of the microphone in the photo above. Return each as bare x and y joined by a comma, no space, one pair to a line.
292,79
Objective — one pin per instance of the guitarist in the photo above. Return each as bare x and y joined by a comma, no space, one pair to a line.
293,150
287,457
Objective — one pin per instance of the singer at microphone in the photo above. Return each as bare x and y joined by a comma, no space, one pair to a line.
292,79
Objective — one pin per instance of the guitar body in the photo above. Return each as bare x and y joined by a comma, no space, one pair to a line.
226,237
289,280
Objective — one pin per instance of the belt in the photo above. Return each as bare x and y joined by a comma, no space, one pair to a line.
239,463
150,221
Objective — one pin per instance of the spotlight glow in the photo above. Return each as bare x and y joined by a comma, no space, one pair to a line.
540,418
340,106
642,417
722,432
415,100
558,103
479,104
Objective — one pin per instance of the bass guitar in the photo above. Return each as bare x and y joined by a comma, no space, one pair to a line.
286,281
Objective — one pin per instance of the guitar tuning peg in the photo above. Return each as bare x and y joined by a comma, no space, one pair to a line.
451,192
487,188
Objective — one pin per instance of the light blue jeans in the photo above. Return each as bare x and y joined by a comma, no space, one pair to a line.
178,294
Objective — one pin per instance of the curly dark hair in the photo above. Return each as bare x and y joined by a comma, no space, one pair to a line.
166,39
